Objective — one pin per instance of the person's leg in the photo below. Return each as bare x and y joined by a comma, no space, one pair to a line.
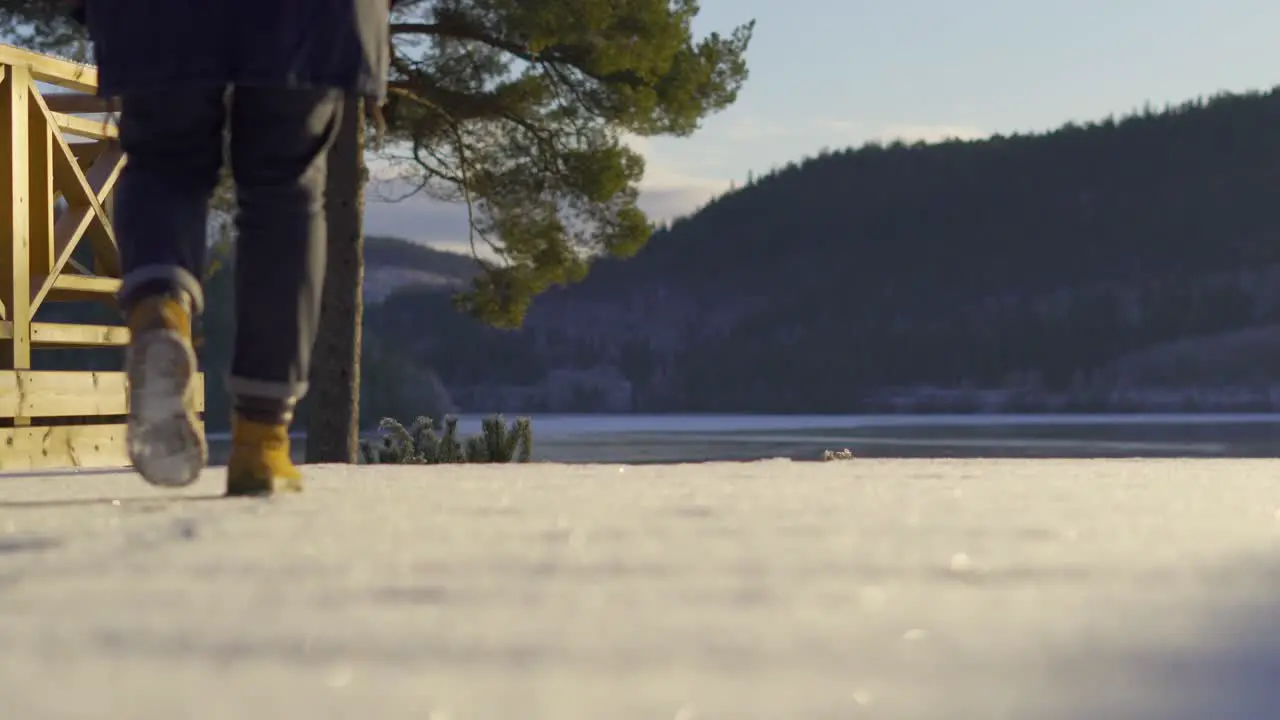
173,142
279,143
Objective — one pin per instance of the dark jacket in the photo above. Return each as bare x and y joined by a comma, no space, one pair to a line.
146,44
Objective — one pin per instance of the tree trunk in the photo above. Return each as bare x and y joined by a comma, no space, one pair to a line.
333,418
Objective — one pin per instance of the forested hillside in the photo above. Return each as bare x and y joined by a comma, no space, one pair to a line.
1029,263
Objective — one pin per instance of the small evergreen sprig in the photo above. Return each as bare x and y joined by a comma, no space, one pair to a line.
423,443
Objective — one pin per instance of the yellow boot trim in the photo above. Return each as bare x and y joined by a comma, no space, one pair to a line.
260,463
160,312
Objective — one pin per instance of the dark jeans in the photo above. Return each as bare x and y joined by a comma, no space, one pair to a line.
173,139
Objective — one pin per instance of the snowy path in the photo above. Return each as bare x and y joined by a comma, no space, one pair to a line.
775,590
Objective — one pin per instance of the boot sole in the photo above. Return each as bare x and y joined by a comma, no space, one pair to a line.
165,440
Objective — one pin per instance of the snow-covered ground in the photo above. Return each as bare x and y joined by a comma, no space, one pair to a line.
893,589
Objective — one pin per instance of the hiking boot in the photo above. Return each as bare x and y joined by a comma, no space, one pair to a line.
165,439
260,463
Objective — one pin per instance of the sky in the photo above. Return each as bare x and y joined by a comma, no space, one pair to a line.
838,73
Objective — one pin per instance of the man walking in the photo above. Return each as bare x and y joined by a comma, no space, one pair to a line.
276,74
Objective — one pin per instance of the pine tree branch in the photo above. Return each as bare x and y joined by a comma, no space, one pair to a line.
577,56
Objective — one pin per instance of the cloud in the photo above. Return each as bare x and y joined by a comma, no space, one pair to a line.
669,191
444,225
663,172
671,203
931,133
419,219
753,129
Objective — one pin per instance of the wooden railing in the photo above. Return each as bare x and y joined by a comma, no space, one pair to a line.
50,152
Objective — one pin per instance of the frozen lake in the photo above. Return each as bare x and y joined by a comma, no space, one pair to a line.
695,438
